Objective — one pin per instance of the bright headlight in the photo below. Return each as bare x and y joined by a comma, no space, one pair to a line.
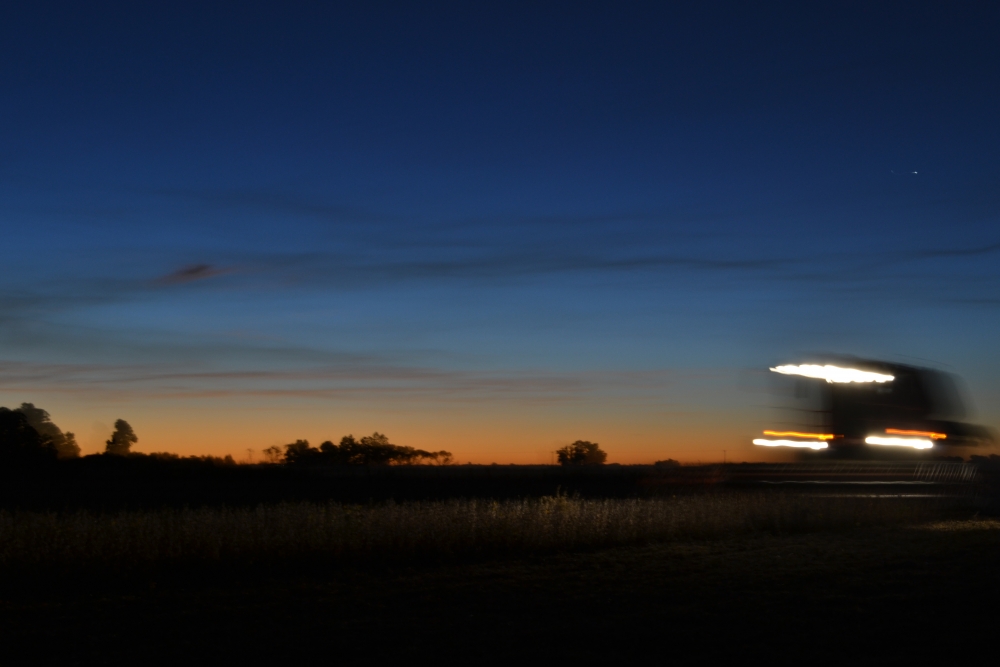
789,443
915,443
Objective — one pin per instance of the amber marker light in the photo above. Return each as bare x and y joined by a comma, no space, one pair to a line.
927,434
790,443
915,443
796,434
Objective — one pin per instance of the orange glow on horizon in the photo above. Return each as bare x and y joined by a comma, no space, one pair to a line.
926,434
478,432
796,434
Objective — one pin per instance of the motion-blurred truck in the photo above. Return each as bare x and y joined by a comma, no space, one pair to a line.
864,408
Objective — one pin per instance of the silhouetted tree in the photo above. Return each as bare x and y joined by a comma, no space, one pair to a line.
582,452
300,452
273,454
377,449
330,453
64,443
122,439
441,458
350,451
20,444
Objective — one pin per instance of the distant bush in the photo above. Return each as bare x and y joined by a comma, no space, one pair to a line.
582,452
226,460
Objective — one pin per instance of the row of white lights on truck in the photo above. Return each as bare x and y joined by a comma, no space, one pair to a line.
833,373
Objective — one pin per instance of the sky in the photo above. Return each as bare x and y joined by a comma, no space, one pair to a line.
491,228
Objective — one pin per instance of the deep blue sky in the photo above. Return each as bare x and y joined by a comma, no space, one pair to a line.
493,224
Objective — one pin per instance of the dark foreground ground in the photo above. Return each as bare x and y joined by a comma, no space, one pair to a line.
109,483
868,596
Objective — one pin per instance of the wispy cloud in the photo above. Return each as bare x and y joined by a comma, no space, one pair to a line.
190,274
972,251
514,262
270,201
349,382
337,270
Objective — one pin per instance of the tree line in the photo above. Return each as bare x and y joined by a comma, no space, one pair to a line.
28,436
374,449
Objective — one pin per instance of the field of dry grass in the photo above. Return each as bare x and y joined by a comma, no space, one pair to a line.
334,531
878,595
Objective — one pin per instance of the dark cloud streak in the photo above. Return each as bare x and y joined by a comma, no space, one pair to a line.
190,274
361,380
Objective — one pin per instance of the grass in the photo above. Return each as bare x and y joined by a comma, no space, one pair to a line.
880,595
716,577
335,531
